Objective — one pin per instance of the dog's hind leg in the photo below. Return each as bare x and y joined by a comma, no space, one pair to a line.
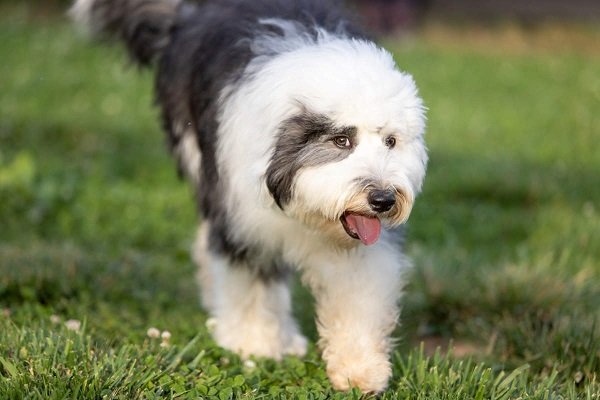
252,314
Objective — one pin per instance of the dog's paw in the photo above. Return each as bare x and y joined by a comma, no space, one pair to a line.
259,339
369,372
249,342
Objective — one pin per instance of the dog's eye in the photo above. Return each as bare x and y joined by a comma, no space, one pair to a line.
343,142
390,142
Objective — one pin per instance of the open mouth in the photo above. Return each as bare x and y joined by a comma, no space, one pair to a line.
365,228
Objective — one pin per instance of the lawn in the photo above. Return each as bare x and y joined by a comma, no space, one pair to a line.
95,228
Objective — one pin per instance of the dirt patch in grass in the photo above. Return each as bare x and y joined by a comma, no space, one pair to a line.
445,345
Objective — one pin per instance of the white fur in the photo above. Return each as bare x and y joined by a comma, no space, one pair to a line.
357,294
325,189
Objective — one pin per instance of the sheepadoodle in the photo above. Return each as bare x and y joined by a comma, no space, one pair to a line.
304,142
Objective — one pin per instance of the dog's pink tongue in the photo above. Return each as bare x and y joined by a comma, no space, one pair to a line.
368,229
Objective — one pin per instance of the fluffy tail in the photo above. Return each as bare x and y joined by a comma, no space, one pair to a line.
143,25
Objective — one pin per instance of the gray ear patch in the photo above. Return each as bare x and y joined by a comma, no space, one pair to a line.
305,140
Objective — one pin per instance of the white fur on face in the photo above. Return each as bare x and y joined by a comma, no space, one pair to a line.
329,189
352,82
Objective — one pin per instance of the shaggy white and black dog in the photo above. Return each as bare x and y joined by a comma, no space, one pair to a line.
304,142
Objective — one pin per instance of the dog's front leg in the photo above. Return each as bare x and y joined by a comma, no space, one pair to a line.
357,294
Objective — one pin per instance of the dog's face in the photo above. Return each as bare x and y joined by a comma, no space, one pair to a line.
348,165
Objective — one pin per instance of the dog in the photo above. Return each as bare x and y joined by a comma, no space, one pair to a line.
305,145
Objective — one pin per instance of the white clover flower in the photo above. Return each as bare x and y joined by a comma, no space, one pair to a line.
249,364
73,325
165,336
55,319
211,324
153,333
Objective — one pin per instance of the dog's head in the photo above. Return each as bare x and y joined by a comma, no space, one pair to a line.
351,157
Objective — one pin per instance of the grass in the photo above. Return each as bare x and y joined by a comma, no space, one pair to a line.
95,226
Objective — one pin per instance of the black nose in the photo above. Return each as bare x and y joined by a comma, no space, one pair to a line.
381,200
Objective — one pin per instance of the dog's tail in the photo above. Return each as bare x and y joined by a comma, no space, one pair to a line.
143,25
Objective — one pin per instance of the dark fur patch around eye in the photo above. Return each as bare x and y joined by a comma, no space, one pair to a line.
305,140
